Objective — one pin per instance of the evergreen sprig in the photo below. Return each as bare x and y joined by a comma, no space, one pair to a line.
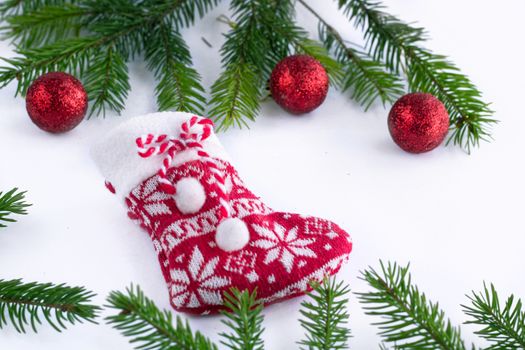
325,316
396,43
409,319
150,328
16,7
107,81
94,39
29,304
40,27
503,325
12,202
366,78
262,33
169,58
244,319
236,94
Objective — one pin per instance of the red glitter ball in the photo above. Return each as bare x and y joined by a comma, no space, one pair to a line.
299,84
418,122
56,102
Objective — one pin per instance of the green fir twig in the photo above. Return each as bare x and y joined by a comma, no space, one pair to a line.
503,324
236,94
94,40
396,43
408,319
48,38
29,304
367,79
325,316
149,328
244,319
17,7
262,33
12,202
169,58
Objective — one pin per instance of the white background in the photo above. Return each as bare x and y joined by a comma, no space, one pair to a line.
457,219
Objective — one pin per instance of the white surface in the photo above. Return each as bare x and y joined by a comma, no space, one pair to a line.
457,218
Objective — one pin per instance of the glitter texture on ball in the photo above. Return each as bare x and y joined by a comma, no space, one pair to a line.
418,122
56,102
299,84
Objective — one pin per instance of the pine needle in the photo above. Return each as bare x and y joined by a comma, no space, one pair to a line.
44,25
367,79
236,94
107,81
94,40
148,327
503,325
409,319
244,319
325,316
169,58
29,304
12,202
398,45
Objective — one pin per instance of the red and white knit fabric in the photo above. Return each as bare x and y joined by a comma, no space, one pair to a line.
282,253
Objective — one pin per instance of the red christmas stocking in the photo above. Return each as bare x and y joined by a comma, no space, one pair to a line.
210,231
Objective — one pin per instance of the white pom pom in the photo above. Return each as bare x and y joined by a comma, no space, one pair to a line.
232,234
190,195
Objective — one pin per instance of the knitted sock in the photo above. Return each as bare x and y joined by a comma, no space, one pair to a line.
211,233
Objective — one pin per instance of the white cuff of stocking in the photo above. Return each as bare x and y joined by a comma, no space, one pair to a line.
116,154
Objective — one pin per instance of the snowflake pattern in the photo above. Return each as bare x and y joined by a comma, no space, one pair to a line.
198,285
285,252
282,245
152,198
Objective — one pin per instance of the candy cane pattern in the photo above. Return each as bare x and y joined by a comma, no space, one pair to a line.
150,145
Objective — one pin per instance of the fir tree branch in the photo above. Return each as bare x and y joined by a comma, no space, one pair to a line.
15,7
119,30
181,13
70,55
12,202
269,25
107,81
396,43
44,25
410,321
75,54
235,95
503,327
367,78
178,84
10,7
244,318
282,11
150,328
325,316
25,304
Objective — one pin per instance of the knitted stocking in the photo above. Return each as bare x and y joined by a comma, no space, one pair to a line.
211,233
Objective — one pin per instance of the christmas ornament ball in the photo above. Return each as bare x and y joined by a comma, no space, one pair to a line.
299,84
56,102
418,122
